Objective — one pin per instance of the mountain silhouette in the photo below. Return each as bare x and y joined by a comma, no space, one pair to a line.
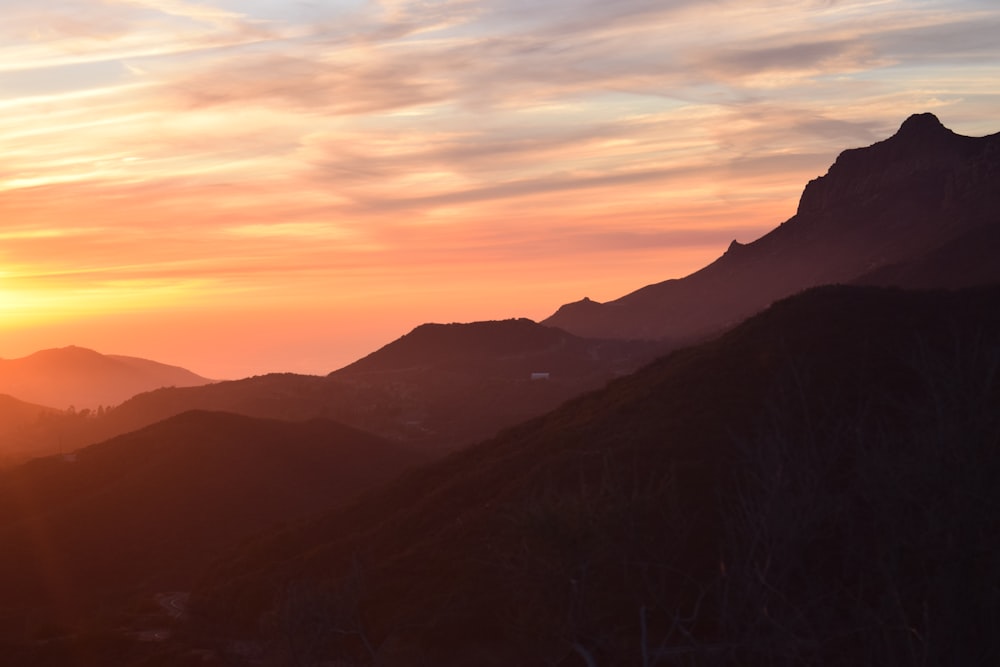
145,512
816,486
918,209
439,387
513,348
85,379
453,384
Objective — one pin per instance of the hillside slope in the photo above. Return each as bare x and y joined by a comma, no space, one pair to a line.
144,512
454,384
830,462
510,348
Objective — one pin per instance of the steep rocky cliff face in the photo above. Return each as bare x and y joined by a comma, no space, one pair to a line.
919,208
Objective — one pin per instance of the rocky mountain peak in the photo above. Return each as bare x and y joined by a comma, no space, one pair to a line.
922,154
922,125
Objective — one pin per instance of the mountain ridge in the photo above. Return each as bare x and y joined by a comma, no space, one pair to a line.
907,196
515,347
438,387
86,379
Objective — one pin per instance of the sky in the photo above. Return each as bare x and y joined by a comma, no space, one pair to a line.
249,186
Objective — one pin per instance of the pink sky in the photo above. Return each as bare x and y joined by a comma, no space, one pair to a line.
265,185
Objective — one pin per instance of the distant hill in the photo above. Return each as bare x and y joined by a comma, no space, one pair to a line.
85,379
145,512
511,348
438,387
816,486
919,209
457,383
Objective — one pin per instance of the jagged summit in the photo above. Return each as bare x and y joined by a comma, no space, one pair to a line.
922,159
922,125
577,309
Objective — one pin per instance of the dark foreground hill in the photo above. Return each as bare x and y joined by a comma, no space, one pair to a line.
85,379
816,486
87,533
436,388
919,209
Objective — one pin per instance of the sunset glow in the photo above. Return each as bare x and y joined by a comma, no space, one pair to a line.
255,186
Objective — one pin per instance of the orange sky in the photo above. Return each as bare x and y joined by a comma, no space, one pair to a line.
262,185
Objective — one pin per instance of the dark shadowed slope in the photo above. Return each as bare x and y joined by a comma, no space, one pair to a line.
144,512
969,259
75,376
926,199
817,486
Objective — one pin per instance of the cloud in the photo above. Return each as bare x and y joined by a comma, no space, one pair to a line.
349,84
28,21
835,56
969,39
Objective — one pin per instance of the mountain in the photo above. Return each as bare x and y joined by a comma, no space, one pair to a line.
816,486
439,387
921,208
85,379
513,348
110,525
454,384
